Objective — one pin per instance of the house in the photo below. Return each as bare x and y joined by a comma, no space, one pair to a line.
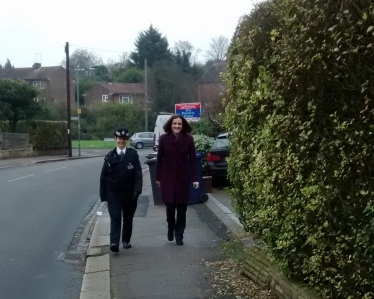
211,88
50,80
132,93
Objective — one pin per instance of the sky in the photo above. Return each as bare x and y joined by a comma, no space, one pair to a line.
37,30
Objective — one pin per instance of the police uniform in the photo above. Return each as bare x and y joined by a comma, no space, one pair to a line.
120,185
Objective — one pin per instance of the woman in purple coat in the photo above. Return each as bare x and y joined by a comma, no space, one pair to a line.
176,167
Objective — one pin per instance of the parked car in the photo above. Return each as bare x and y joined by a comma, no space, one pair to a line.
217,158
142,139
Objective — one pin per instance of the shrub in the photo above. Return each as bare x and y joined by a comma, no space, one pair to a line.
300,73
203,144
100,121
203,127
45,135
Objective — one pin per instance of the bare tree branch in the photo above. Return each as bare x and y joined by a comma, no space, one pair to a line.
218,49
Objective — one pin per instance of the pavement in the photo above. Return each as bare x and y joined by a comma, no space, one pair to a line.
154,267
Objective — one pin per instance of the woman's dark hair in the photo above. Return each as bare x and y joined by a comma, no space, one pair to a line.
186,128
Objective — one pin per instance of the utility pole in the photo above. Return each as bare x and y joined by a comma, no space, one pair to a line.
68,97
146,97
79,114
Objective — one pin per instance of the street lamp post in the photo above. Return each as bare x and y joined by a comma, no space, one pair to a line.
78,108
79,122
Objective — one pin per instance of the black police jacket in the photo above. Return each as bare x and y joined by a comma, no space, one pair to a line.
121,177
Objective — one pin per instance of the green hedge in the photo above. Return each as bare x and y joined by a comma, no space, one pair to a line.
45,135
203,144
302,161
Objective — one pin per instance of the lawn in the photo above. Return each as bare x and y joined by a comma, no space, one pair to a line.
96,144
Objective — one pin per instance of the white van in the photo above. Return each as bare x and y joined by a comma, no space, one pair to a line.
162,118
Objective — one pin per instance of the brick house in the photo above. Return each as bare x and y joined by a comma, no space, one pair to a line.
132,93
50,80
211,88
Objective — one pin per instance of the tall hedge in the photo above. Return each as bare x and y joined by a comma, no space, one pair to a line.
45,135
301,76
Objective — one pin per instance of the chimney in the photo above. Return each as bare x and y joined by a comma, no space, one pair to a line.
36,66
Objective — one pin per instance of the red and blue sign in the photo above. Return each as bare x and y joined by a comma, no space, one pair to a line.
190,111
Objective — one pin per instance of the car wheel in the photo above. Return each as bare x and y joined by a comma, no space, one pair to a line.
139,145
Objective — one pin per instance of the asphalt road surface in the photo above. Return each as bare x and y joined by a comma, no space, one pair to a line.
41,207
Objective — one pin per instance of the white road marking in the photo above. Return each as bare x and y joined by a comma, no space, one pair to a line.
55,169
21,178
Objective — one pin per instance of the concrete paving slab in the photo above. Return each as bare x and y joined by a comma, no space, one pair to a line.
98,264
96,285
99,241
93,251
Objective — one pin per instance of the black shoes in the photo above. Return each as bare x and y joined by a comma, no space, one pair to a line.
114,248
179,241
170,235
126,245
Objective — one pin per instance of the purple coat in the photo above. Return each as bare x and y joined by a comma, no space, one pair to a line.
176,166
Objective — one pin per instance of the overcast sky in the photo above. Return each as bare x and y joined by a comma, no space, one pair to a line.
30,27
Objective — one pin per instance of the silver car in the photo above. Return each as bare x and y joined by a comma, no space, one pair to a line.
142,139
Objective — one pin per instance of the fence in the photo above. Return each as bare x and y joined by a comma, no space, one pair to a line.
10,141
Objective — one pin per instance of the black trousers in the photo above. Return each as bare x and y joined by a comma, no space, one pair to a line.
180,225
117,212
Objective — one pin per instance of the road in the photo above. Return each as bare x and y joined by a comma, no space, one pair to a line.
41,207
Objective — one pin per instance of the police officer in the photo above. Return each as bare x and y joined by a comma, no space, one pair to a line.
120,185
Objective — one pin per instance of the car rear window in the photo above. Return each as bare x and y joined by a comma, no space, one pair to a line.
221,143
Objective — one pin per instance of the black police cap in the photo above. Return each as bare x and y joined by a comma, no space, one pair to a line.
122,132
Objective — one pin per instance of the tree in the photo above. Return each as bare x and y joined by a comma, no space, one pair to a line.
150,45
218,48
17,102
8,65
131,75
187,47
83,59
116,67
85,83
169,85
101,73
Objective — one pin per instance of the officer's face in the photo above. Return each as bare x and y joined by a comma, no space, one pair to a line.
121,142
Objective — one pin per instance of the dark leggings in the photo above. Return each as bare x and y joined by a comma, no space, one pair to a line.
179,225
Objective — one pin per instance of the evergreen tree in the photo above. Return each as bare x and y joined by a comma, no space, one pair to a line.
8,65
150,45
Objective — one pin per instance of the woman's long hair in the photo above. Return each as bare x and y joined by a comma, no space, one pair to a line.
186,128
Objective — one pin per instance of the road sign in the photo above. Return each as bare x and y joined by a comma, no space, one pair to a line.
74,118
79,111
190,111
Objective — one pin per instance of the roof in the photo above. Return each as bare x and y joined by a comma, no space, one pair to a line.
224,135
28,73
124,88
212,75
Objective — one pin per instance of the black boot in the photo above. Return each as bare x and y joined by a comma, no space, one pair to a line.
170,235
126,245
114,247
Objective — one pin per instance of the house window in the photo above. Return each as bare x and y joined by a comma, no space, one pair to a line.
38,84
104,98
125,99
221,88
